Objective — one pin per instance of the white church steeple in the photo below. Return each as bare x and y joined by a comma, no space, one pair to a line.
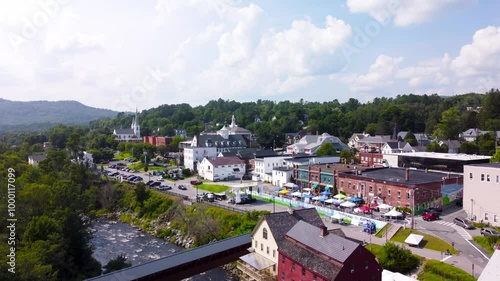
233,122
135,125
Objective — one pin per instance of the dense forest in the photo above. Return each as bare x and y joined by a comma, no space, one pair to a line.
55,204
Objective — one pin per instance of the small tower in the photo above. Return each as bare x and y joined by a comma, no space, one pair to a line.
135,125
233,122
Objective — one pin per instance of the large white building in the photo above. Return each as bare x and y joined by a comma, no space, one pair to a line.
221,168
129,135
194,155
264,166
309,144
481,192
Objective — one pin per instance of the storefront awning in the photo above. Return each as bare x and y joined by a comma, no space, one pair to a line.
257,261
314,185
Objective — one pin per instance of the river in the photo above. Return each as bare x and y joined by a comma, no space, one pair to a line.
114,238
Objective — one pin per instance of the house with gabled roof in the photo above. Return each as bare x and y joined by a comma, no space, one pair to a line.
471,134
372,144
396,147
422,139
353,140
35,159
309,144
309,252
267,238
221,168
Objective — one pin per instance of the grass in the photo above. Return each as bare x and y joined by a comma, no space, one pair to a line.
486,242
215,188
429,241
122,156
375,249
439,271
381,232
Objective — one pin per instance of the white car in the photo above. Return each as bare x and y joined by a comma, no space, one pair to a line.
160,179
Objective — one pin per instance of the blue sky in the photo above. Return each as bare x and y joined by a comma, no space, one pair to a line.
126,54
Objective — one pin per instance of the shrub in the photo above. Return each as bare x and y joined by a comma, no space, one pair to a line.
445,271
398,259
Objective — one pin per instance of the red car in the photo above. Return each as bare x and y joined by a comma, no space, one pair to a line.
430,216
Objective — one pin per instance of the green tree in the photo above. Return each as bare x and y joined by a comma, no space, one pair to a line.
117,263
496,157
347,155
326,149
397,258
450,125
469,148
411,139
141,193
435,147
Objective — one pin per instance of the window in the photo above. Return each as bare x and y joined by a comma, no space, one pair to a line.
470,176
366,265
274,253
388,192
256,244
314,277
371,189
303,271
399,194
349,185
264,233
486,216
282,259
274,267
262,247
408,195
498,178
293,266
482,177
267,250
488,177
495,218
283,275
341,183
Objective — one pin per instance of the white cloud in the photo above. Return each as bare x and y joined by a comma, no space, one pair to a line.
475,69
482,56
380,74
404,12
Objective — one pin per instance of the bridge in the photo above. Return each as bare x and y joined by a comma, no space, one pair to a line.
184,264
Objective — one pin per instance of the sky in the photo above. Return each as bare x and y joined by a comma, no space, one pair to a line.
122,54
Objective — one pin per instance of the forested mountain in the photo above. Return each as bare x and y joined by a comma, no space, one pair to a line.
33,115
269,120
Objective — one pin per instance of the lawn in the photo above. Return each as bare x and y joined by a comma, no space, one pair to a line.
429,241
122,156
380,233
486,242
375,249
215,188
440,271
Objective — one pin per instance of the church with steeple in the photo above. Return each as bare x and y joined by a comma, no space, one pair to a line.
129,135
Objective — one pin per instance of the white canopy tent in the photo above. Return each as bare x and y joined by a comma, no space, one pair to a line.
393,213
297,194
414,239
348,204
384,206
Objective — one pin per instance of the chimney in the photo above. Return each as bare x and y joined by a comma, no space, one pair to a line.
323,231
407,174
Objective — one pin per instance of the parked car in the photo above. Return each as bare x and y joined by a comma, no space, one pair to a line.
430,216
196,182
489,232
105,162
180,176
182,187
463,223
149,183
164,187
160,179
156,183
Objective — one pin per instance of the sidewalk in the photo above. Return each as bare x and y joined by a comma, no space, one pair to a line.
459,260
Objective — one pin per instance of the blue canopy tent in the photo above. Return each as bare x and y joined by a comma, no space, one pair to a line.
354,199
307,196
322,199
278,189
326,193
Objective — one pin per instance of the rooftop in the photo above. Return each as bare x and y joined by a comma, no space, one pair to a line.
436,155
487,165
398,175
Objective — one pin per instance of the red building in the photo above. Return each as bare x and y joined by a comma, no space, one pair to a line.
371,159
312,253
157,141
397,185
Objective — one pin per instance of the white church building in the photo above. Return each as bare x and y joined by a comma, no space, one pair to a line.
129,135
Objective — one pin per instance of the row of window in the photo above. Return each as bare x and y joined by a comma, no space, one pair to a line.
487,217
485,177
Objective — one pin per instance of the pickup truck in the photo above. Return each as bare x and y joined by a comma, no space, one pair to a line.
489,232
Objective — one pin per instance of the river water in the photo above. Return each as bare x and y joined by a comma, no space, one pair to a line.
113,238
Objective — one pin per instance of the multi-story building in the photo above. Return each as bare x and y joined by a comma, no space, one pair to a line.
221,168
267,238
320,177
309,144
281,175
434,161
481,192
310,252
397,186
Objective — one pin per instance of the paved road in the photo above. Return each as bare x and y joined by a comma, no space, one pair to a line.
443,228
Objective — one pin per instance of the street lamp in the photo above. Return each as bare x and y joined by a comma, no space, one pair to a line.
274,208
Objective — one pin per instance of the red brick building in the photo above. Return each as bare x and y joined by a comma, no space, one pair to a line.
309,252
371,159
395,186
157,141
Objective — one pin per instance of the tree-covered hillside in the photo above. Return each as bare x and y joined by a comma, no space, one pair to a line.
36,115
